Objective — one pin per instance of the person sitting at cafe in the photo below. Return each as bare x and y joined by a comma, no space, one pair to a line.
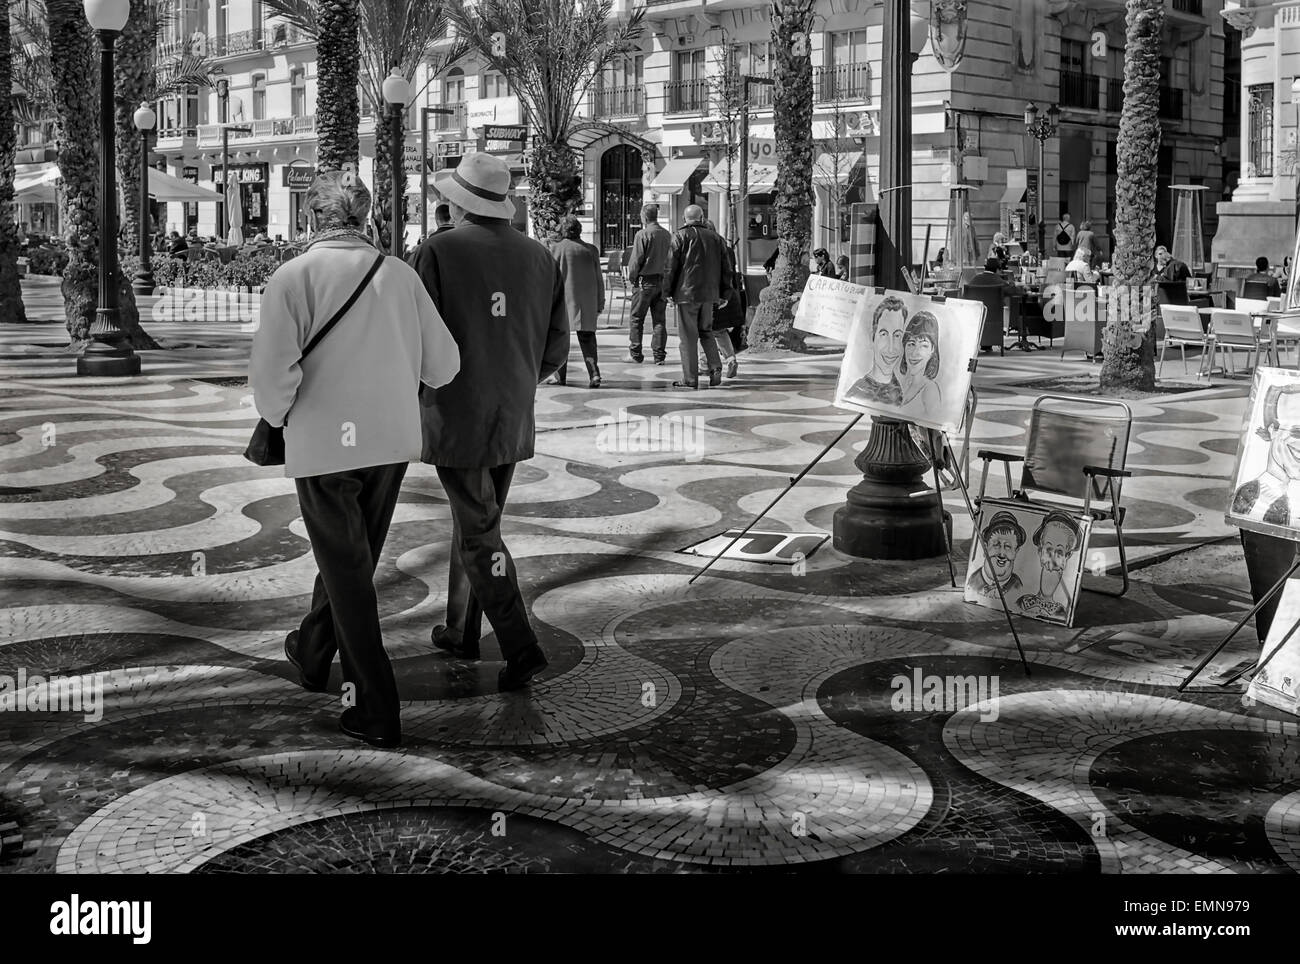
822,263
1263,276
1170,277
995,291
176,245
842,267
998,251
939,259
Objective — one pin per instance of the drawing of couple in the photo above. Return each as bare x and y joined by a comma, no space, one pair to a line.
905,360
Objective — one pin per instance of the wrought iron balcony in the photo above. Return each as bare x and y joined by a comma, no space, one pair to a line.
686,96
449,122
842,83
618,102
269,37
1188,6
260,130
1080,90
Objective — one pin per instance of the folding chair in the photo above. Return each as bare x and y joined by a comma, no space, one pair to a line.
1233,331
1069,437
1182,328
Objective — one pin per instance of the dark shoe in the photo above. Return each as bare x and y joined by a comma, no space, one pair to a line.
291,654
594,383
695,384
637,357
732,367
349,726
519,671
715,376
453,645
662,361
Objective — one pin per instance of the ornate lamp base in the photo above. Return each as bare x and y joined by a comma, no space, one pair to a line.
109,354
886,516
143,283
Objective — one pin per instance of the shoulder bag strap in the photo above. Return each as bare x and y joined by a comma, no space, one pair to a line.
347,305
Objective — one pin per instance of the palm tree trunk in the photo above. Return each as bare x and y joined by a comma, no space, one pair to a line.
792,109
556,186
338,112
11,292
383,186
1128,357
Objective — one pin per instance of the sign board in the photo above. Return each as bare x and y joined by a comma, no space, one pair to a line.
774,548
493,110
298,178
762,151
827,307
244,173
1277,684
505,132
1267,469
190,174
501,147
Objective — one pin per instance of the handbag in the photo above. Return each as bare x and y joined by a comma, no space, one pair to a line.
266,447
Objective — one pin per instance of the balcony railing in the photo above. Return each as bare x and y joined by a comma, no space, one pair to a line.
687,96
210,134
1171,103
259,38
1188,6
1080,90
618,102
449,122
843,82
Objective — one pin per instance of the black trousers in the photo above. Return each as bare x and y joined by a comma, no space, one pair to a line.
482,580
587,345
649,297
347,516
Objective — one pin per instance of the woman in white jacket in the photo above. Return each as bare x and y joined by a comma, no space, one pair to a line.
351,421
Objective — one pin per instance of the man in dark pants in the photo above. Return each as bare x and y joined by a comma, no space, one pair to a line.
645,272
502,297
696,263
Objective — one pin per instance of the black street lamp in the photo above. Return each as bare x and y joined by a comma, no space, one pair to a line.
397,92
1040,129
111,354
145,119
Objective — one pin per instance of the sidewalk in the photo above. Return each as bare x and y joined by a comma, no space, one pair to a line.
680,725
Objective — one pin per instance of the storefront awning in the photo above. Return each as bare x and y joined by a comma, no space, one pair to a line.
672,179
36,187
832,169
164,187
1013,195
762,179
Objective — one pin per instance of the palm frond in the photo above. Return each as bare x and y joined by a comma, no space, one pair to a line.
303,14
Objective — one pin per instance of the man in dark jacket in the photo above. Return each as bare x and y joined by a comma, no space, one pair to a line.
696,263
501,296
442,218
645,273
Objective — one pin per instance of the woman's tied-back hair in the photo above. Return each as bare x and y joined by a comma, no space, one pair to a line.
339,199
570,228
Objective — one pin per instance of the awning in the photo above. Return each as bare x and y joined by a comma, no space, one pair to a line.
36,187
164,187
672,179
762,179
831,169
1013,195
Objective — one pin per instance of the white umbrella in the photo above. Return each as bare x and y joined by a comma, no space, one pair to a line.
234,199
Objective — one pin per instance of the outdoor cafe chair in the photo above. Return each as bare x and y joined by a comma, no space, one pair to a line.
1254,289
1182,328
1075,454
1233,331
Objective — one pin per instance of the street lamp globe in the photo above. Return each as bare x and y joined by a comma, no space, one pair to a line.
1031,115
396,90
1053,116
107,14
144,118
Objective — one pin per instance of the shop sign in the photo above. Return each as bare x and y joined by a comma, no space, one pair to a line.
762,151
298,178
709,132
244,173
505,132
493,110
190,174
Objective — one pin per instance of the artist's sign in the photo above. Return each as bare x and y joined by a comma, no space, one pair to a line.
827,306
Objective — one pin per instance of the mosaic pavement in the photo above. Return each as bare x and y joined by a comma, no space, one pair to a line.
748,721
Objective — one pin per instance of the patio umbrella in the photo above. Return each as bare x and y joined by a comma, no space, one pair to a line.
234,204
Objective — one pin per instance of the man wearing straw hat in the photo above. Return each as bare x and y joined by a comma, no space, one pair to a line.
502,297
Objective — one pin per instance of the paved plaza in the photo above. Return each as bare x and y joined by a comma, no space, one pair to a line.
742,722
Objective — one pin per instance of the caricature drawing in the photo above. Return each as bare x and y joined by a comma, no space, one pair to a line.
1274,496
920,365
1002,538
880,384
1057,539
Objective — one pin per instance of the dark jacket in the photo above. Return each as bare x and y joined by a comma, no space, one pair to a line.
1272,287
733,289
502,298
696,261
584,287
649,252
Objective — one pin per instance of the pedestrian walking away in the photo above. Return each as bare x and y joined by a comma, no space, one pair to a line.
351,424
502,297
729,316
645,273
696,263
584,294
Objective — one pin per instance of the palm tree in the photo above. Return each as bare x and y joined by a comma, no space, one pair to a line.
11,291
792,23
549,51
393,33
1129,358
338,111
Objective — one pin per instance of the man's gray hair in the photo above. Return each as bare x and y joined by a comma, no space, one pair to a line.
694,212
339,199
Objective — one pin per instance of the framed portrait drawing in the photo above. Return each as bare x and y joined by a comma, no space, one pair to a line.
911,357
1035,554
1277,684
1266,480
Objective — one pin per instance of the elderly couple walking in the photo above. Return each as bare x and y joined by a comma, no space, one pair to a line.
437,360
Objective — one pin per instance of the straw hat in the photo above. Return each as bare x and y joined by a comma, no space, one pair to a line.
479,184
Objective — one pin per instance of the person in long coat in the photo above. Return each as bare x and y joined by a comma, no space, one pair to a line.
584,294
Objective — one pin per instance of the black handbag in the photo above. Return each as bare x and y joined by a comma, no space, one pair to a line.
266,447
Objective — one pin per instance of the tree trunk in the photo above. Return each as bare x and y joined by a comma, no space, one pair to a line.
1128,357
382,210
556,185
11,291
792,109
338,112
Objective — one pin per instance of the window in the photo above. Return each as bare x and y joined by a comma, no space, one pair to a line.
223,18
846,47
624,71
259,96
1077,87
688,65
453,86
847,74
298,92
1260,131
493,85
688,90
754,59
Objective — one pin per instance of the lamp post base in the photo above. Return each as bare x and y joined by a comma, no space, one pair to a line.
114,359
891,514
143,283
